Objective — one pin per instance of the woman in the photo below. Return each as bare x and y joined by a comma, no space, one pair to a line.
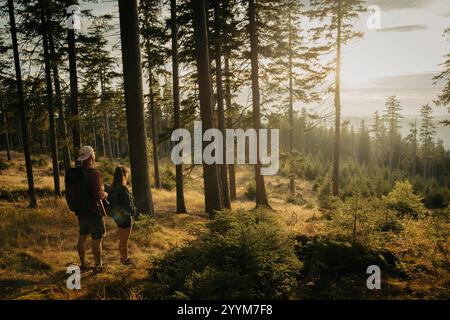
121,210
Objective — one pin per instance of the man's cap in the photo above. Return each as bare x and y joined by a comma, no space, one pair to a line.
85,153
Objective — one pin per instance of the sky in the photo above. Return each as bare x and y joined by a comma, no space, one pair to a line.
401,58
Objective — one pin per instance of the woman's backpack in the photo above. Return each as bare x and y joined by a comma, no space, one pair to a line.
114,205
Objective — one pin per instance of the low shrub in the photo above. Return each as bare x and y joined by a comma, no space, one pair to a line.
3,165
168,180
311,172
40,161
403,200
437,198
243,255
250,191
296,199
360,220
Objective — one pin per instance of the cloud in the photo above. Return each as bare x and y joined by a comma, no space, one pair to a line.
388,5
406,28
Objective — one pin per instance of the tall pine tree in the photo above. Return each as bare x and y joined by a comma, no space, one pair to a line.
335,26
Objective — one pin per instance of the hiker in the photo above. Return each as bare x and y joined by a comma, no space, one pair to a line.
121,209
90,210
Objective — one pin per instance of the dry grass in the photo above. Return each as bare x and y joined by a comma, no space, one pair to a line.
14,175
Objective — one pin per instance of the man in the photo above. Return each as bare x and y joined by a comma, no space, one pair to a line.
91,222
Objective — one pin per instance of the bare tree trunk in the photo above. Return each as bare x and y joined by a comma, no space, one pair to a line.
132,74
21,147
107,134
354,220
76,133
6,134
12,145
61,118
153,128
261,196
213,201
414,160
181,206
232,175
391,146
51,115
23,116
119,155
220,108
291,114
103,145
337,107
94,133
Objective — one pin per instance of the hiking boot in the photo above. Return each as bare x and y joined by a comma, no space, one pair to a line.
99,269
84,266
127,262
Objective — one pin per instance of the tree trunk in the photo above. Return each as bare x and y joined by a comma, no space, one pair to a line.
20,138
220,109
6,134
94,133
76,133
181,206
355,213
103,145
291,114
62,126
49,91
11,143
232,175
261,197
425,167
153,128
337,107
414,160
213,201
119,155
391,146
107,134
21,100
132,74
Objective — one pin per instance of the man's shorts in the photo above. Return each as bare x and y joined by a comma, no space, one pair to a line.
92,224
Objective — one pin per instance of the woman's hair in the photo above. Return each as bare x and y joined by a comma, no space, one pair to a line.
119,176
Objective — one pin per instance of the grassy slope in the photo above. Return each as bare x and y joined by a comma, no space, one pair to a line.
36,246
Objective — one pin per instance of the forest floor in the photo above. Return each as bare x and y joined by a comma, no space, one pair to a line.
37,245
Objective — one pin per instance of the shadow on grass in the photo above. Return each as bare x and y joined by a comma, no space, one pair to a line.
335,269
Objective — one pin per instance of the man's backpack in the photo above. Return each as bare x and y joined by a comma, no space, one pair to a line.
77,190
